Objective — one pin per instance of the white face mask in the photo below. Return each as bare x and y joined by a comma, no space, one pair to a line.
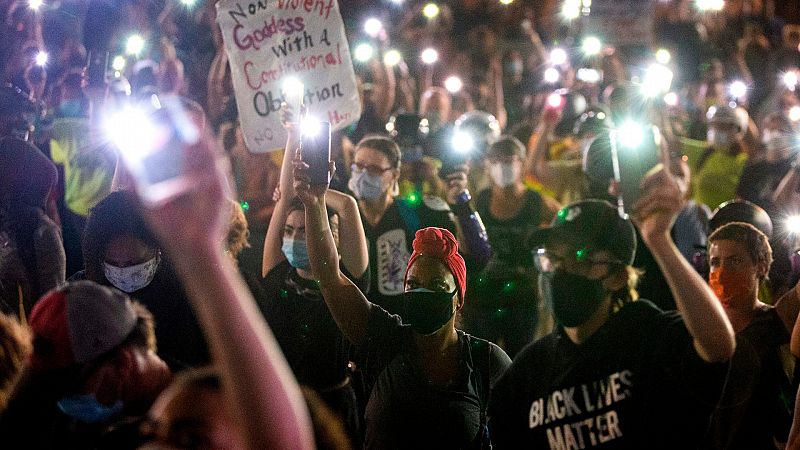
503,174
721,139
132,278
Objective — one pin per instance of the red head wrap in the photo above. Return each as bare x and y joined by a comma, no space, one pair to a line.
440,244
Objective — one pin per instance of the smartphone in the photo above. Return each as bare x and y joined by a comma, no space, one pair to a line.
633,163
315,149
97,68
152,137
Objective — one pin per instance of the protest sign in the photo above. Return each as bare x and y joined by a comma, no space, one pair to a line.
270,41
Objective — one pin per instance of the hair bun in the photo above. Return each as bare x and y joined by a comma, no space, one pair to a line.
435,242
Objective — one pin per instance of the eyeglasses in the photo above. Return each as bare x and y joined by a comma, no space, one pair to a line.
578,260
370,168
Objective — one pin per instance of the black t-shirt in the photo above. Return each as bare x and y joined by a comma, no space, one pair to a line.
756,406
760,180
316,350
404,409
637,383
509,237
390,245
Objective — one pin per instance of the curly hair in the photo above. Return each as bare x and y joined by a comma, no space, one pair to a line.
15,348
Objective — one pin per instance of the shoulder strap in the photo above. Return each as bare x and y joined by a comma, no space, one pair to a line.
409,216
481,352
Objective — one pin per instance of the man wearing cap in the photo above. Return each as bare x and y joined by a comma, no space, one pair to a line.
618,372
93,363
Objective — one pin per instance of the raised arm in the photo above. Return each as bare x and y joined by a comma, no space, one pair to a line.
347,304
536,161
257,382
705,319
273,255
352,241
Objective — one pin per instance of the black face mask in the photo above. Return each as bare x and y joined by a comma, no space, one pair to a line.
573,298
427,311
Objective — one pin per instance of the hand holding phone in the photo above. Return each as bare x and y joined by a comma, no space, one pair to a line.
315,150
635,155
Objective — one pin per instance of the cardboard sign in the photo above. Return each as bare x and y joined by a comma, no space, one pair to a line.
269,41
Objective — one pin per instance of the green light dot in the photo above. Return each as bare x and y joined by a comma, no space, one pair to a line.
245,205
284,293
580,254
562,213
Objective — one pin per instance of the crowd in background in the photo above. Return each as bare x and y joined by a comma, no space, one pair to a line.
475,256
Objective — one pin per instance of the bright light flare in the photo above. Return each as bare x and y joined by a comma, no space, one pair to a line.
591,46
555,100
392,58
794,113
453,84
630,134
558,56
463,142
663,56
293,91
372,27
188,3
429,56
790,79
571,9
132,131
710,5
588,75
792,224
431,10
657,80
310,127
506,2
118,63
134,45
41,58
737,89
671,99
363,52
35,4
552,75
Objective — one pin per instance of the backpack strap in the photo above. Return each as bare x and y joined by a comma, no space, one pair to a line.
481,352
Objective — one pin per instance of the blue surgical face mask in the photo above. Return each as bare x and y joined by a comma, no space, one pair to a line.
365,186
296,253
86,409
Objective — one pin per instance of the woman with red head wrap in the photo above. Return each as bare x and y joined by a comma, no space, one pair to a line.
427,382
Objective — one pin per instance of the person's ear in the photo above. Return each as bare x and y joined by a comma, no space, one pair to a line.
616,281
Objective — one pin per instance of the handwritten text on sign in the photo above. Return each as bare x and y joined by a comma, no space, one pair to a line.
269,41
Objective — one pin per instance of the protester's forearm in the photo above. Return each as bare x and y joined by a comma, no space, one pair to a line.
703,314
259,385
536,162
472,230
292,143
347,304
787,188
352,241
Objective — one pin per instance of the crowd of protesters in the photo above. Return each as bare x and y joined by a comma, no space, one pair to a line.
479,272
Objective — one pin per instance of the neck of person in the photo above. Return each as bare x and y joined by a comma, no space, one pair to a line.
373,210
439,345
741,316
584,331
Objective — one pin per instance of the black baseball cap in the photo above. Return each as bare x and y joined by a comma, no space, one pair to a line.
594,224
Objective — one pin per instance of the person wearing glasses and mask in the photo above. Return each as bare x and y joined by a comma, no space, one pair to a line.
390,222
617,373
429,381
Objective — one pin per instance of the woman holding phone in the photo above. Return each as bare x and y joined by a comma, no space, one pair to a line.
426,376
